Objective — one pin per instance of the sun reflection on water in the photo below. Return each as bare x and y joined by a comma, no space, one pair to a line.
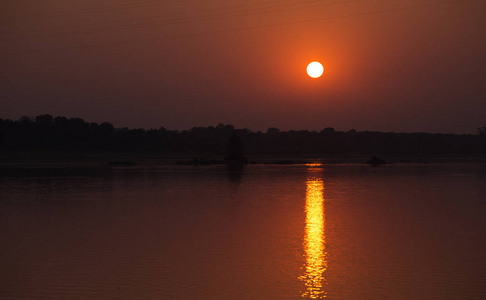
314,241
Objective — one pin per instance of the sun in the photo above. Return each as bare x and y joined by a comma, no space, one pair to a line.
315,69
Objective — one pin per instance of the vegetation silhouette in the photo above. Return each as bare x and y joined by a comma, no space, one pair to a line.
48,135
235,152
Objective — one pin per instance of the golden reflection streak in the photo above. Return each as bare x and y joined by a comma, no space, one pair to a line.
315,241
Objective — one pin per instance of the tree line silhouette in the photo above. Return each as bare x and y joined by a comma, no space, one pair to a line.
48,134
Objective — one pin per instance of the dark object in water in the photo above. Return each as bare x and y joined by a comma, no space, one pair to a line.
376,161
200,161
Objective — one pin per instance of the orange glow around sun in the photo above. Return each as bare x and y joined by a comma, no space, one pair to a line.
315,69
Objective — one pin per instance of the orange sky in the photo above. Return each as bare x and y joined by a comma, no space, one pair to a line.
390,65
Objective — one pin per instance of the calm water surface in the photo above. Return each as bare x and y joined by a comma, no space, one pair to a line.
269,232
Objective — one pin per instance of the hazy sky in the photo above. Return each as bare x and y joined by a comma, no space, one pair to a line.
390,65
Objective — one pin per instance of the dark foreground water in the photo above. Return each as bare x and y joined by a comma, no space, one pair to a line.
268,232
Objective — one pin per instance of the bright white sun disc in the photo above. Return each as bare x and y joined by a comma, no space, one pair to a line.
315,69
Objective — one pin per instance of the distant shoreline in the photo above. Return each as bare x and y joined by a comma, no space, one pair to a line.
58,138
121,160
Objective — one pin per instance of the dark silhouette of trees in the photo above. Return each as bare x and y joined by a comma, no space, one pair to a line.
48,134
235,149
482,131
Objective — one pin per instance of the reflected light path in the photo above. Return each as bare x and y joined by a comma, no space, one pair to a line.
314,241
